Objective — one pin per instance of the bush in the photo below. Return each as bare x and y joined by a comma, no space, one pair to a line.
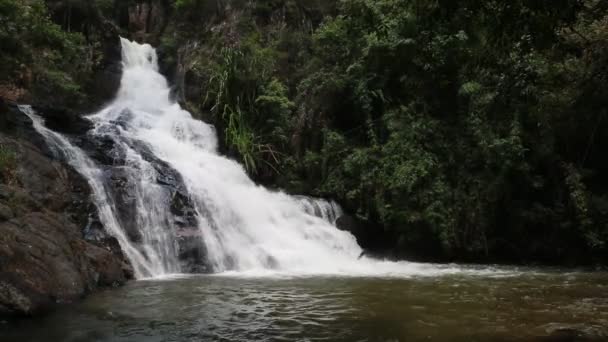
36,53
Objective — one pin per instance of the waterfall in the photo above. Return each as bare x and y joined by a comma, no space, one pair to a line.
330,211
244,227
146,260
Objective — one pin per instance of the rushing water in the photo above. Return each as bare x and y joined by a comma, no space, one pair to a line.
244,226
146,260
221,308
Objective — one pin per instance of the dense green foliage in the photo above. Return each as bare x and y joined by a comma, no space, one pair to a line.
36,53
447,137
459,130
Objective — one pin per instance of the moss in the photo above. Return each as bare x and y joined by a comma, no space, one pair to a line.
8,164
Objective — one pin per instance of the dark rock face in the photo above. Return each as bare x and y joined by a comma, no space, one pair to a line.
373,243
64,121
109,148
573,332
45,261
192,254
349,224
44,208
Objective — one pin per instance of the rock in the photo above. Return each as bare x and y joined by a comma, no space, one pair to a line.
349,224
109,148
123,192
192,252
109,272
63,120
17,125
44,259
5,212
183,210
573,332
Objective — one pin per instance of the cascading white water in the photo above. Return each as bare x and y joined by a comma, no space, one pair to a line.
148,263
330,211
245,228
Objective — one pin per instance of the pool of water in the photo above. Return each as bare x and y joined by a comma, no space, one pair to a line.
455,307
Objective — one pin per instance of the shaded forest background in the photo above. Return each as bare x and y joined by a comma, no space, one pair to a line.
470,130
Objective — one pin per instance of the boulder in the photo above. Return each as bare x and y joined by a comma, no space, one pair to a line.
45,261
64,121
349,224
557,332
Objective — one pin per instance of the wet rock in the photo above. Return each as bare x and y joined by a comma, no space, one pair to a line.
573,332
123,190
103,150
192,252
109,148
183,210
64,121
108,272
17,125
349,224
44,259
5,213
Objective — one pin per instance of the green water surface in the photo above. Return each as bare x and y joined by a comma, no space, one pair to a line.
522,307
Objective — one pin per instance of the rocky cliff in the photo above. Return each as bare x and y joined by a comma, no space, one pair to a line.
44,211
